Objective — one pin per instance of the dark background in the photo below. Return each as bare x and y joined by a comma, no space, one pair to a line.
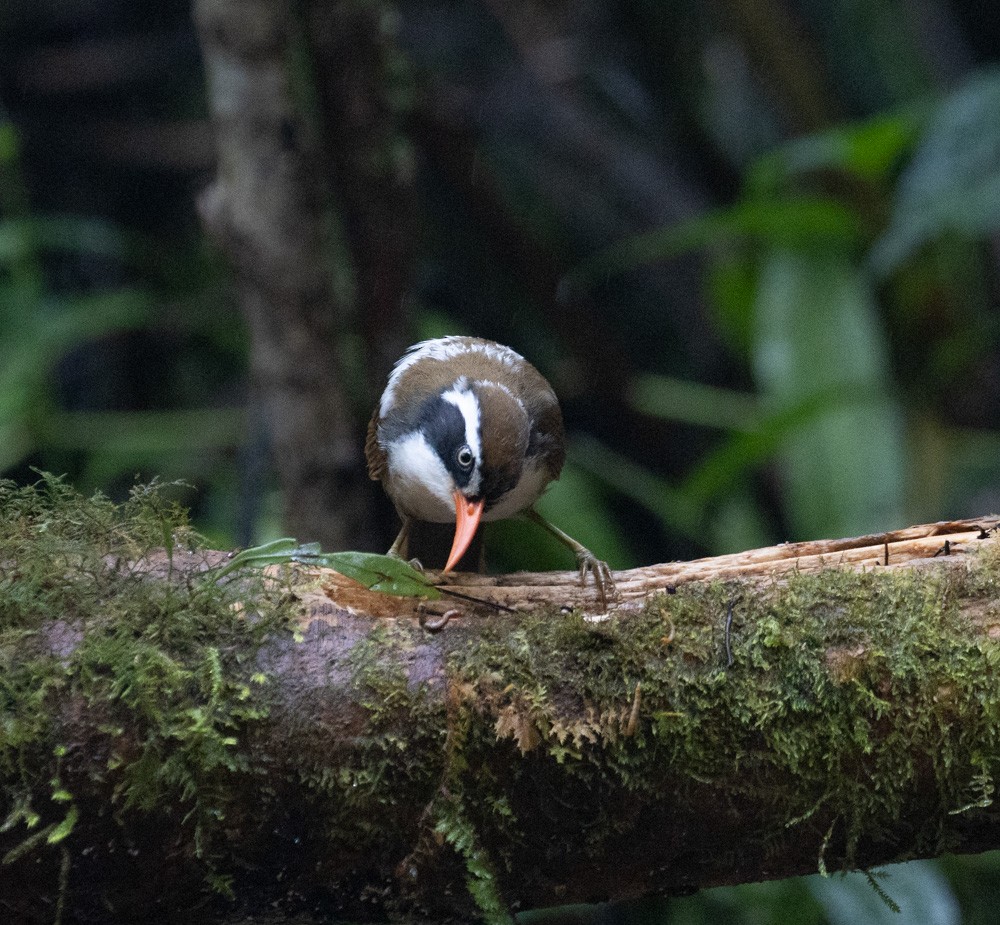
752,243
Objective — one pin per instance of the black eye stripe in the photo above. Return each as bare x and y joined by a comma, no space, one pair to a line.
443,426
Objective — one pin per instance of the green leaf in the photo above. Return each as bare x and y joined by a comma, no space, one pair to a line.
673,506
869,149
143,434
380,573
920,895
22,238
694,403
376,572
62,831
759,441
731,287
952,184
9,145
578,504
800,222
277,552
36,336
817,333
29,844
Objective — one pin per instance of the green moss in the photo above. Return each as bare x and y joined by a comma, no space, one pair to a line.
846,691
455,828
846,695
166,668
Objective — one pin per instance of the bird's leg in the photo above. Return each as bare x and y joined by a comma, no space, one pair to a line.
401,545
587,561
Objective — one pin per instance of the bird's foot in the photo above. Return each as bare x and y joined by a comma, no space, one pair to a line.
604,581
412,563
586,560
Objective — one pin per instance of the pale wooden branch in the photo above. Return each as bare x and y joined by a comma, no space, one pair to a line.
917,547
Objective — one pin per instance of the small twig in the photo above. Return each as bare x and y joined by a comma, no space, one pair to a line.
944,550
886,547
669,638
729,626
633,717
476,600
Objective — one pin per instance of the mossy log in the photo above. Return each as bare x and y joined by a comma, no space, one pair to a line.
804,707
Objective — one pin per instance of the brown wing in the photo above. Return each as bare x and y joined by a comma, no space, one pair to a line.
374,454
550,424
543,409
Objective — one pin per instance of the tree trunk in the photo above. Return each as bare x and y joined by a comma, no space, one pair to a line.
312,278
747,717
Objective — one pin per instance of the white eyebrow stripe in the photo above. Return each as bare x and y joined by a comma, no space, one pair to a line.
468,404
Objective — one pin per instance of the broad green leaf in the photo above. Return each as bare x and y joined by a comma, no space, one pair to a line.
577,505
143,434
923,895
54,325
376,572
9,145
760,441
276,552
818,332
952,184
731,288
694,403
23,238
36,337
868,149
380,573
799,222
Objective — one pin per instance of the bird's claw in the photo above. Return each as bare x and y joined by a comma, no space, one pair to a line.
412,563
603,579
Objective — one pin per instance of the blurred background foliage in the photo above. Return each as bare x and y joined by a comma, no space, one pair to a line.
753,244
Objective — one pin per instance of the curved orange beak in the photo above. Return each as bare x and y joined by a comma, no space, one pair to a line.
467,514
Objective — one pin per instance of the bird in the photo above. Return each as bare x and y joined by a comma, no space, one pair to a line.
467,430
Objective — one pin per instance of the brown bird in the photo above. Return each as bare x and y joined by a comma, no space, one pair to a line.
468,430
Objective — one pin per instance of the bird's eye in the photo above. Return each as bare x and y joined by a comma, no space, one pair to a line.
464,457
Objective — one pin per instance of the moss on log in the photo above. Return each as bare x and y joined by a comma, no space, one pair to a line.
174,746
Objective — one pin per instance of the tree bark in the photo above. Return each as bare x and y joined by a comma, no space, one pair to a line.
754,716
364,86
307,285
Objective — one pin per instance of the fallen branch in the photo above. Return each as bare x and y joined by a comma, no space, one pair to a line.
803,707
